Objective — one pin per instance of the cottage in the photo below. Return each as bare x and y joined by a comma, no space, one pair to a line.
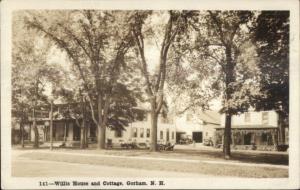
251,130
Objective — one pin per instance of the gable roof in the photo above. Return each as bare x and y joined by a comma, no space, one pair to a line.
212,117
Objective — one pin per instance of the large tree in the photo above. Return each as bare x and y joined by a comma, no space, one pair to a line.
272,39
224,39
96,43
31,73
174,25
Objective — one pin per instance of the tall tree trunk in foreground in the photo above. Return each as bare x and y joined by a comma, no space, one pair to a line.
36,132
51,126
154,119
29,134
83,142
22,134
155,89
229,69
227,136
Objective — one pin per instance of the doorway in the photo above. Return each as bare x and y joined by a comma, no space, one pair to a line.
247,139
197,137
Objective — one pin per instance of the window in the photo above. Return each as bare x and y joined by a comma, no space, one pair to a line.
265,118
118,133
148,133
142,132
168,135
247,117
161,135
173,135
134,132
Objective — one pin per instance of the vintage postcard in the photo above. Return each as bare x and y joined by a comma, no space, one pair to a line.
127,94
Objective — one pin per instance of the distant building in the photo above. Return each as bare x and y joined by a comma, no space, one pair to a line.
198,127
251,130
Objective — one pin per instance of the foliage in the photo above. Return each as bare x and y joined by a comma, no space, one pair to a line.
272,39
96,43
31,73
223,45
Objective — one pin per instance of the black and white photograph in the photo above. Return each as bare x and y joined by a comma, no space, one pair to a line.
119,95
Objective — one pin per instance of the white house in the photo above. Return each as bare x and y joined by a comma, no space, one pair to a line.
257,130
140,131
198,127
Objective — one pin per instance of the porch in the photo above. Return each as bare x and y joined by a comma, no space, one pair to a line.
250,138
65,132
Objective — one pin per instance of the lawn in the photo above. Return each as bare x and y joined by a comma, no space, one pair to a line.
277,158
164,165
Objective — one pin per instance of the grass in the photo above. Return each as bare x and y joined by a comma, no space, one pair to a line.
162,165
214,154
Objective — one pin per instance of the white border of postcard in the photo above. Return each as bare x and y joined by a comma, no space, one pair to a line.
292,182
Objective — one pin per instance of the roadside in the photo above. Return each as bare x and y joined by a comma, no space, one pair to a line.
25,167
189,152
161,161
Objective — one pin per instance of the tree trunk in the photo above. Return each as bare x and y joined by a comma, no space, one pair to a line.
281,127
51,126
81,138
227,135
154,119
36,135
101,137
83,126
229,69
82,135
22,134
86,137
29,135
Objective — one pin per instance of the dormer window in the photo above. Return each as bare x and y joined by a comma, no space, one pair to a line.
140,115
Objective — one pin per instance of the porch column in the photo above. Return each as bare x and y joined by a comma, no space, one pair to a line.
232,137
65,132
274,138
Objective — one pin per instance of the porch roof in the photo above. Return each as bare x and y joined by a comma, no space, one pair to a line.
250,127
